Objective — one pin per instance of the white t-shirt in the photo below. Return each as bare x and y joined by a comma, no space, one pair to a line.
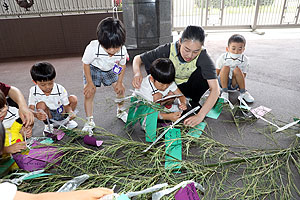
8,191
225,60
147,89
11,116
58,96
95,54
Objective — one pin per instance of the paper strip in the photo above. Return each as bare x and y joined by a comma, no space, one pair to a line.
172,126
173,156
160,194
189,192
197,130
215,112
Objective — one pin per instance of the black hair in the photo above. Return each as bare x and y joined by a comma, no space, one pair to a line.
2,136
163,70
111,33
42,71
193,33
237,38
2,99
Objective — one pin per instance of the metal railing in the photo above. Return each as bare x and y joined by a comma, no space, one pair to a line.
11,9
213,14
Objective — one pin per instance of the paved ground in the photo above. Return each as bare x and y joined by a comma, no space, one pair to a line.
273,80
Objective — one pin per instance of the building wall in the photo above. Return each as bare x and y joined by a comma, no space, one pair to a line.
48,35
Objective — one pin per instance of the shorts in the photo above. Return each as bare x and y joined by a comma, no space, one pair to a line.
58,116
98,76
229,85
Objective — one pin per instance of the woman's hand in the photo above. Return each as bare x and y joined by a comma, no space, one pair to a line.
193,120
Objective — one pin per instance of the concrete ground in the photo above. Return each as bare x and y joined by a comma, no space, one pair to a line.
273,81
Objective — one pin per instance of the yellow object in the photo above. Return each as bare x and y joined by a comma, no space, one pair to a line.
12,135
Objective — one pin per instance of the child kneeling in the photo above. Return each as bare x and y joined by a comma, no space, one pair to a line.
48,99
161,83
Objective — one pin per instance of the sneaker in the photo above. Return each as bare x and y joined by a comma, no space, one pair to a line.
49,128
71,124
88,126
225,96
122,114
247,97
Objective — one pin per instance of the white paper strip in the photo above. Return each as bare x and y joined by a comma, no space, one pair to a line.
172,126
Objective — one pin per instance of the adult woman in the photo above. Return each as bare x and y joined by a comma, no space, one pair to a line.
195,70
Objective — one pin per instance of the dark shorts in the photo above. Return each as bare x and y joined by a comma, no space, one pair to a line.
195,87
98,76
58,116
229,85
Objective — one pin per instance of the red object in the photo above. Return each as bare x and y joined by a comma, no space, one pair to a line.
18,140
168,106
118,2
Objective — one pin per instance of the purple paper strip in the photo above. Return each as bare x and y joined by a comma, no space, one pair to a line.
187,193
90,140
37,158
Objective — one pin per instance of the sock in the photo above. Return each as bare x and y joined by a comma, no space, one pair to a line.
90,118
242,91
224,89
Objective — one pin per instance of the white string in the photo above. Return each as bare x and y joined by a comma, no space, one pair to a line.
172,126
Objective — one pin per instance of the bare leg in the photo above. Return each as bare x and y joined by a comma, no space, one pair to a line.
73,101
238,78
89,104
224,74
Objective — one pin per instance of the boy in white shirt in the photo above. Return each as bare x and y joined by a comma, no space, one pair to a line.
50,99
232,68
104,61
161,83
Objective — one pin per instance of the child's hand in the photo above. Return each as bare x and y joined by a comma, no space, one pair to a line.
26,131
41,115
182,106
15,148
89,90
119,89
72,115
137,80
174,116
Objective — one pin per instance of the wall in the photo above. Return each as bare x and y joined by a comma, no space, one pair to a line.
48,35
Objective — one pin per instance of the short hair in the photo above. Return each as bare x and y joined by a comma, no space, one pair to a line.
111,33
42,71
2,99
193,33
163,70
2,136
237,38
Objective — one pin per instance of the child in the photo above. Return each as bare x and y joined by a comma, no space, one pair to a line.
16,97
49,98
232,67
104,62
13,136
9,190
160,83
